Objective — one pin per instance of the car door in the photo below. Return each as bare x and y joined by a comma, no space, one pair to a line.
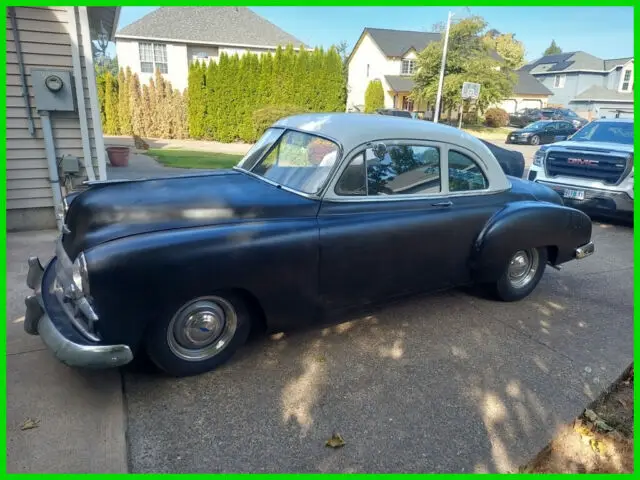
385,225
549,132
565,129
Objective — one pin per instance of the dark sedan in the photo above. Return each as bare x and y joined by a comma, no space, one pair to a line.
541,132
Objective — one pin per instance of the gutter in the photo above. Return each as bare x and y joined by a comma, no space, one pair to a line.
23,76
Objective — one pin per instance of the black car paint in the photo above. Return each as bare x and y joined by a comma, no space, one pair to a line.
148,253
562,131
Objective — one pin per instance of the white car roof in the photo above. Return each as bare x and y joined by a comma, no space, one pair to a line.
354,129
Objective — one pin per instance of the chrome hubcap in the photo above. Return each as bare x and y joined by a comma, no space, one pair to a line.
522,267
202,328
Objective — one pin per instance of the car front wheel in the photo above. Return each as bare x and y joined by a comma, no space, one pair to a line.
534,140
201,335
521,274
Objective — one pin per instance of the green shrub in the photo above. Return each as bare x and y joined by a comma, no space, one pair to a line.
263,118
374,96
496,117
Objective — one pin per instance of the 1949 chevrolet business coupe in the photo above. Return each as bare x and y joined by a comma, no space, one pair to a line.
325,212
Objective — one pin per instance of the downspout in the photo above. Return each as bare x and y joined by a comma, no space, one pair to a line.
93,91
23,76
82,111
54,179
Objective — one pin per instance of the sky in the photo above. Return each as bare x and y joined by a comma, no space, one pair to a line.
606,32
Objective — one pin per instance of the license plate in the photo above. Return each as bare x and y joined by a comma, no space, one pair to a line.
574,194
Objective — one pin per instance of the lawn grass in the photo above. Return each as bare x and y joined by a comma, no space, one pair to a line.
178,158
488,133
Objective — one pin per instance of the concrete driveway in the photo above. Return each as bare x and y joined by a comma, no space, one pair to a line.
441,383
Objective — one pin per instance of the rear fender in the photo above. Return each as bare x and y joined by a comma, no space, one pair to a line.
528,224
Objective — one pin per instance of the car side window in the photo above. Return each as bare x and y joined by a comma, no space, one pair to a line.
465,174
395,170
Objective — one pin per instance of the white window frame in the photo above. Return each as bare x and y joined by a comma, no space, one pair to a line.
622,81
156,50
559,80
411,66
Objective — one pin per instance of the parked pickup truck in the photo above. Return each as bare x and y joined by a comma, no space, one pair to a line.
593,169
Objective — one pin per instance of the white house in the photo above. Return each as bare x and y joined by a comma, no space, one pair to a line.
390,56
170,38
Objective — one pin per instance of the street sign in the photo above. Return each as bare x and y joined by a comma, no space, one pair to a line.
470,90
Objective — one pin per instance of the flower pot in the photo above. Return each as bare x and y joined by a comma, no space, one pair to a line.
118,156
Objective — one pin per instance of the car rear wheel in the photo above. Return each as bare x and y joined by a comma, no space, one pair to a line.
201,335
521,274
534,140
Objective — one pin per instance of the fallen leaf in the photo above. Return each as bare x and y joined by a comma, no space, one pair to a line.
597,446
335,441
29,423
623,403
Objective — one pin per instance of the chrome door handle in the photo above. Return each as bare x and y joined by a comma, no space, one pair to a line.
448,203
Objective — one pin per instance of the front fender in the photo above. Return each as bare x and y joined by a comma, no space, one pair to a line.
145,278
528,224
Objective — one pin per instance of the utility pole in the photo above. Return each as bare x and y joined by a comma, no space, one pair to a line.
436,114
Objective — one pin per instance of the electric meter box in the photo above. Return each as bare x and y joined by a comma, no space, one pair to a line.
53,90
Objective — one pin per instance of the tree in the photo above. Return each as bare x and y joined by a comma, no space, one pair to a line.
373,96
505,44
552,49
104,64
111,126
468,60
342,48
196,102
135,106
124,102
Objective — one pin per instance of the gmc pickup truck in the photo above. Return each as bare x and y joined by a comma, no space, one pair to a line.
593,169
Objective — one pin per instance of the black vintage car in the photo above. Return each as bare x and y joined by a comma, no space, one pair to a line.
325,212
542,132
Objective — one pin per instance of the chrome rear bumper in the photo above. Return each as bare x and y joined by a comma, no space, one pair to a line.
585,250
57,331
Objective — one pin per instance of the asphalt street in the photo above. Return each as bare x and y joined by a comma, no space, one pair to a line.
450,382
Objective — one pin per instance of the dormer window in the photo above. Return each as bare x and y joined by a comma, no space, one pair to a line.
558,81
408,67
626,84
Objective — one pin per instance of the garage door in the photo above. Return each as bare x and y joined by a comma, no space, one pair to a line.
509,105
530,104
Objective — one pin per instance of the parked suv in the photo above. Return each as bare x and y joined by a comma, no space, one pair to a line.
565,114
593,169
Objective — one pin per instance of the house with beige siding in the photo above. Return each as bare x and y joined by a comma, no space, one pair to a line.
48,47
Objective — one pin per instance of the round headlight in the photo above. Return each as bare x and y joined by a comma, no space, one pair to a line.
81,274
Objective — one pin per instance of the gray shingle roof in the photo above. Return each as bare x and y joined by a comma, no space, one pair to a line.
400,83
395,43
527,84
615,62
601,93
572,61
221,25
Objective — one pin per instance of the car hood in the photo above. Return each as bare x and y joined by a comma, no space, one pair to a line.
594,146
111,210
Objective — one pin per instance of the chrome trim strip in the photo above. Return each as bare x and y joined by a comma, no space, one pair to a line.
77,355
585,250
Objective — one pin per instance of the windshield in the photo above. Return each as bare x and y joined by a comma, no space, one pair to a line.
297,160
614,132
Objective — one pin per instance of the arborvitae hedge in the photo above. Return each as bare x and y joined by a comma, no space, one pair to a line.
221,100
373,96
155,110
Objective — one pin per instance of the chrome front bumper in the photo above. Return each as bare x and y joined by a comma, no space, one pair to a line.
585,250
45,317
